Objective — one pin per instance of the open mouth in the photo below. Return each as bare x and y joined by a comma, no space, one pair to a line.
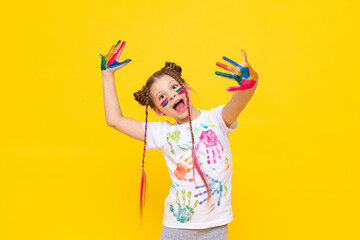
179,106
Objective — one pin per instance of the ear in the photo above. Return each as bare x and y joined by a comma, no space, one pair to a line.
158,112
188,88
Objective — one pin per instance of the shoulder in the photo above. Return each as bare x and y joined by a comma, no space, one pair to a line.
158,124
157,128
155,133
216,115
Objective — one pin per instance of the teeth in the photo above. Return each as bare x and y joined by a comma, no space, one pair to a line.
176,103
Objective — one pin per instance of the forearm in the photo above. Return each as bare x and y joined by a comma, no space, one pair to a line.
111,103
237,103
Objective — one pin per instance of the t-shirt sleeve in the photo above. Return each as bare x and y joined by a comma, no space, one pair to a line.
217,115
155,134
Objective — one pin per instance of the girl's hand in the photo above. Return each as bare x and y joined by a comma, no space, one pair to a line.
243,73
109,62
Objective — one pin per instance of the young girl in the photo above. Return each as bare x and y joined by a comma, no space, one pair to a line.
196,147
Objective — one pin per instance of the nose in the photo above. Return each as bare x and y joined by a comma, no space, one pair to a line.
172,97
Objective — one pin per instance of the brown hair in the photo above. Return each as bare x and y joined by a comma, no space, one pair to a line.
144,98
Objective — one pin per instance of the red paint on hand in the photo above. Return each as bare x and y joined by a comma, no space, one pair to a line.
245,84
117,54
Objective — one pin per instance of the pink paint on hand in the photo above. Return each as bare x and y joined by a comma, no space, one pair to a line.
226,67
245,84
117,54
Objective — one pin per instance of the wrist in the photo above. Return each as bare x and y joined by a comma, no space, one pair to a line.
107,73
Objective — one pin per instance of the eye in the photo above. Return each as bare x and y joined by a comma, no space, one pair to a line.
161,96
175,86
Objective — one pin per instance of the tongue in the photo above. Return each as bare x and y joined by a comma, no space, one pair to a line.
179,106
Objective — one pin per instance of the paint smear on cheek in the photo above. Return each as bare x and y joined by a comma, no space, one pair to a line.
180,91
164,103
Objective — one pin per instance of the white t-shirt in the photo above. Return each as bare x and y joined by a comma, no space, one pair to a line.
185,206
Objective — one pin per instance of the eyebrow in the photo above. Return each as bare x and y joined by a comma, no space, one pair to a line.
162,90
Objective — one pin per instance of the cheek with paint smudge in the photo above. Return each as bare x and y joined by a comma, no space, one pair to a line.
164,103
180,91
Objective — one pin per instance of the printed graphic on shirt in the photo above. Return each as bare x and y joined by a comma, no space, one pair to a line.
173,139
226,193
183,168
215,187
227,163
185,211
212,144
205,126
208,124
175,186
196,132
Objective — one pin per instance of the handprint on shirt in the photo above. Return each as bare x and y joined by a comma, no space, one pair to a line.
215,187
210,141
183,168
173,139
184,212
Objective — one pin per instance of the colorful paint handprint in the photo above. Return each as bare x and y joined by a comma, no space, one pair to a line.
185,211
215,187
111,60
212,144
183,168
243,73
173,139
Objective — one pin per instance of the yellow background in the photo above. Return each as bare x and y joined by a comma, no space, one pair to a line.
65,174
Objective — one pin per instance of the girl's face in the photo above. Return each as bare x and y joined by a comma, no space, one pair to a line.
169,98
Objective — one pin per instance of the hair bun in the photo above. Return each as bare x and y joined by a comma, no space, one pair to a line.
141,96
170,66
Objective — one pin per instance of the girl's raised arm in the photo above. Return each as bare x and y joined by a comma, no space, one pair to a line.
113,113
247,79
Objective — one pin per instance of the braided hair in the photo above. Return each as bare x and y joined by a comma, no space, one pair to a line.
143,97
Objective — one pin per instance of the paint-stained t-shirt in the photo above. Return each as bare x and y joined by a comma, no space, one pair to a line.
186,205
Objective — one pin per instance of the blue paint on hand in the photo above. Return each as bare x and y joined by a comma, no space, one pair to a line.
116,63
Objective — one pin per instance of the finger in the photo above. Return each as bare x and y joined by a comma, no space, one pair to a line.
117,46
232,62
244,56
117,64
227,75
111,49
115,57
120,50
226,67
103,62
231,76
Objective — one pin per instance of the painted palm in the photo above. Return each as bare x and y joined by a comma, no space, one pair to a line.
111,60
243,73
